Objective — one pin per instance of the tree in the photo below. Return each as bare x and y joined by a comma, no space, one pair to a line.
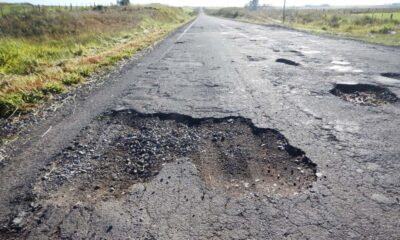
123,2
253,4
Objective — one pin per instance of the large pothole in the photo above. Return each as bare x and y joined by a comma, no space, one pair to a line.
364,94
287,62
391,75
123,148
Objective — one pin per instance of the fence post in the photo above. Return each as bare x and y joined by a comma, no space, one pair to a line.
284,11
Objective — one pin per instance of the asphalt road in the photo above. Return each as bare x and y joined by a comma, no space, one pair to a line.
216,68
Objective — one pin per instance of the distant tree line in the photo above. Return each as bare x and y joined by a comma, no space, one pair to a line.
123,2
253,4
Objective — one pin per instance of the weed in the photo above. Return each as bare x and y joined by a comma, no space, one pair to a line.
73,78
32,97
10,103
334,21
85,71
53,88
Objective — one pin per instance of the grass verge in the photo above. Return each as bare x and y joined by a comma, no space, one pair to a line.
380,26
44,52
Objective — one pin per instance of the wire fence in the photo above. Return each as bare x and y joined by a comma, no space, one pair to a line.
29,8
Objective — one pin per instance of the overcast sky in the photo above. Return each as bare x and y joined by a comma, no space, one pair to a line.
213,2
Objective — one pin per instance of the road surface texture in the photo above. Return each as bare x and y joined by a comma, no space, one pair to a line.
225,130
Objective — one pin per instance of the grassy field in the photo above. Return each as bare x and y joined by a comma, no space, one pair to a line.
10,8
45,52
371,25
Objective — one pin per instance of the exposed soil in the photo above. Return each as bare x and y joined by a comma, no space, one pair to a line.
364,94
287,61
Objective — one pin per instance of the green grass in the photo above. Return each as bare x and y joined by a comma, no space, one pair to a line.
43,53
383,15
376,26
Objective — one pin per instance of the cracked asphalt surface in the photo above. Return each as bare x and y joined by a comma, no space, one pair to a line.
217,68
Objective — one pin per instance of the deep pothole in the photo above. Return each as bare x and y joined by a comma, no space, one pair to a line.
123,148
364,94
287,61
391,75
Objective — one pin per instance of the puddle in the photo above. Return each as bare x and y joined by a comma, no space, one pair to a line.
364,94
123,148
287,61
344,68
391,75
344,63
310,52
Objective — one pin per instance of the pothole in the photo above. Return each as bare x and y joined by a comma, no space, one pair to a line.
287,61
391,75
298,53
121,149
364,94
255,59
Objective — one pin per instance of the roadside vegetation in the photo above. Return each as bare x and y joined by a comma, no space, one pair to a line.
45,50
380,25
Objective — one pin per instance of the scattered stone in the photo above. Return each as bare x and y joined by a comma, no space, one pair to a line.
373,166
380,198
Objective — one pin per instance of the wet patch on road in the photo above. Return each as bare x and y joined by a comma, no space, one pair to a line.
287,61
364,94
344,69
391,75
124,148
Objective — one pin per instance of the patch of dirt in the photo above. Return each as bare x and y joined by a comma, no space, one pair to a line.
287,61
391,75
364,94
